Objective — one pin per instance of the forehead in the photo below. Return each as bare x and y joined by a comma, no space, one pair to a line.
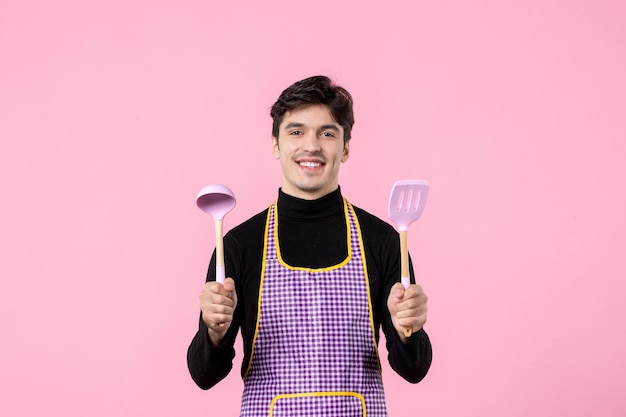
312,115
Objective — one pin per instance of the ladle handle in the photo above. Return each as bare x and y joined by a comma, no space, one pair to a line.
220,274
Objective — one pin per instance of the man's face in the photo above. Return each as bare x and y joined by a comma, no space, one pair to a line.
310,147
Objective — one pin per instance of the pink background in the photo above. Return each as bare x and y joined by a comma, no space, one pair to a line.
113,115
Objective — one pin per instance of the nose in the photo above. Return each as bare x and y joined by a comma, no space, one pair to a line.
311,143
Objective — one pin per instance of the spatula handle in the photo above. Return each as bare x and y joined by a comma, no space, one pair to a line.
404,258
404,268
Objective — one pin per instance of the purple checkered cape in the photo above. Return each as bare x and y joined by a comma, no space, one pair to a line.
314,351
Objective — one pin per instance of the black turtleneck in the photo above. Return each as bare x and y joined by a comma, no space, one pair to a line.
312,234
321,240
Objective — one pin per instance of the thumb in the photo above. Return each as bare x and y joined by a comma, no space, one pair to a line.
229,284
397,290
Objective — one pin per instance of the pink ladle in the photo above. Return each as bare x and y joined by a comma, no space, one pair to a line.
217,200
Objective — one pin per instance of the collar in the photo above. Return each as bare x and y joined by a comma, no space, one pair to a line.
328,205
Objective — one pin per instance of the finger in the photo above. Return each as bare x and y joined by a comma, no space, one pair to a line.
411,313
413,302
218,321
414,319
216,288
413,290
216,302
215,316
223,308
211,288
214,291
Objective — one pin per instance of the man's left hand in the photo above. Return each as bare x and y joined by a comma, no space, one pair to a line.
408,308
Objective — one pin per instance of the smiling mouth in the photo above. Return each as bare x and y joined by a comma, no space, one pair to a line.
310,164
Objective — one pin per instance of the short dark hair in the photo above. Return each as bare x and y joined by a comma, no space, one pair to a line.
315,90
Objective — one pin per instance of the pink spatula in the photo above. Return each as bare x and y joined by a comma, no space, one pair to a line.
217,200
406,204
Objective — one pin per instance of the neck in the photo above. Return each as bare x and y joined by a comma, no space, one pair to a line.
328,204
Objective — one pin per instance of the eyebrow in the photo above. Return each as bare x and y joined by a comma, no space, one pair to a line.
323,127
331,127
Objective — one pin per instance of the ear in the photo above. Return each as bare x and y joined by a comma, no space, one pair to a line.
275,148
346,151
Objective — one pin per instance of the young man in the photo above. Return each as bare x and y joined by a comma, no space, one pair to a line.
312,279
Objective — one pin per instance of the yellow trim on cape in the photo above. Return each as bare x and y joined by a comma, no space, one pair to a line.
258,314
327,268
367,285
345,261
319,394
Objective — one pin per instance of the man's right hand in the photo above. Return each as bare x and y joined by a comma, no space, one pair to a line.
218,303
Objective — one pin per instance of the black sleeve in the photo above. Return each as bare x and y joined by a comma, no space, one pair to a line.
209,364
410,360
243,251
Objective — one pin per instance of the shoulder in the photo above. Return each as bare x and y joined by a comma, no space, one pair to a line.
381,243
373,225
243,244
251,227
371,220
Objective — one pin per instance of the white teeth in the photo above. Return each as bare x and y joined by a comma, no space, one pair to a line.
310,164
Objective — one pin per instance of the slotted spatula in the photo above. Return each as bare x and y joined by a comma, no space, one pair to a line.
406,204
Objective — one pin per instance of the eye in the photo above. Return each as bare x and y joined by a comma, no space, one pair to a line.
295,132
328,134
